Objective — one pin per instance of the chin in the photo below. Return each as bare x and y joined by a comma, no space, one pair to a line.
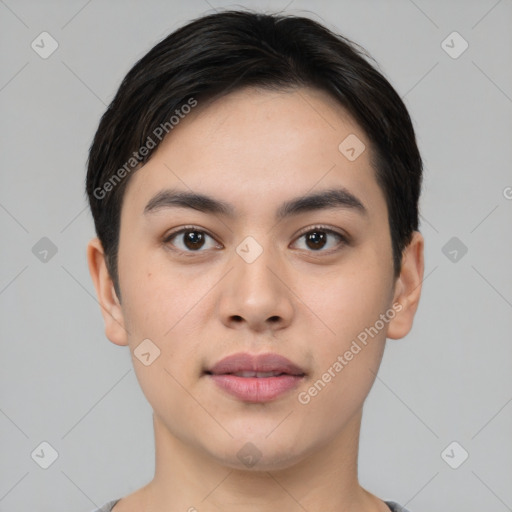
258,453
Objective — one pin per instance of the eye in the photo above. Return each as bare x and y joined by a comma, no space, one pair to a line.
321,239
191,239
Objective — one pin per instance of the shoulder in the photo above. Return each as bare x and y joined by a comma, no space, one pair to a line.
107,507
395,507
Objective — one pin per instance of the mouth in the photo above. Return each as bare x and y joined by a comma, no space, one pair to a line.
254,379
258,375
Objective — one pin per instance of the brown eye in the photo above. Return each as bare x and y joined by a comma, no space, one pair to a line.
321,239
190,240
316,239
193,239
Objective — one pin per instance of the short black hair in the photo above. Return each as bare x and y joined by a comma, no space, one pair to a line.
228,50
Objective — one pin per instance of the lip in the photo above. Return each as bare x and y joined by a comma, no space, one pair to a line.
252,388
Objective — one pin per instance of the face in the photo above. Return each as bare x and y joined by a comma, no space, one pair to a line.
255,268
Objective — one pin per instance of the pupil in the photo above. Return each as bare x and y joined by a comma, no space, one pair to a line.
193,239
317,239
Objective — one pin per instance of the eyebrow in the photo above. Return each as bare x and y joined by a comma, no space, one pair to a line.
326,199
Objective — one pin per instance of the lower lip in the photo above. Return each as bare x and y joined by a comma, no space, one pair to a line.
254,389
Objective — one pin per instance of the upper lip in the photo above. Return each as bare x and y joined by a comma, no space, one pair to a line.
255,363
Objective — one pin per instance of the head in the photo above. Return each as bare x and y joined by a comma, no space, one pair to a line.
270,127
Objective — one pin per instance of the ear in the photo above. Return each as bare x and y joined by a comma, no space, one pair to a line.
107,297
408,288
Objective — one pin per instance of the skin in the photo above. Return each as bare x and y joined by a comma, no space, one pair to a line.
256,149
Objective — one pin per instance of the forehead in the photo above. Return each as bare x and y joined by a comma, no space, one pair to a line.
259,146
281,120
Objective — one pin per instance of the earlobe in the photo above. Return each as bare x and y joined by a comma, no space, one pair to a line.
408,287
107,297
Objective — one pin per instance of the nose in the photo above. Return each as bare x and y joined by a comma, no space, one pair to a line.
256,295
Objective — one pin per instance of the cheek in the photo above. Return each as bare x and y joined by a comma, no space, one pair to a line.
346,302
168,307
154,299
348,355
156,308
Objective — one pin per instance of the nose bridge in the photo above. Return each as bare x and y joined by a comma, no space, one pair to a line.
255,257
255,292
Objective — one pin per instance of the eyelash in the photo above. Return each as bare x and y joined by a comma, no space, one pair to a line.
343,240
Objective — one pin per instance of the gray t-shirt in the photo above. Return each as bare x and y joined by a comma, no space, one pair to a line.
394,507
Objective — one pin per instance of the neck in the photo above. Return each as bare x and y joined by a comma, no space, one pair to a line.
326,479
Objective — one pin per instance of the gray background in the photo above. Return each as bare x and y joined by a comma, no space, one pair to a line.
64,383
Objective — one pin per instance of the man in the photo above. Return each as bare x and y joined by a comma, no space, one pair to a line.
254,186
